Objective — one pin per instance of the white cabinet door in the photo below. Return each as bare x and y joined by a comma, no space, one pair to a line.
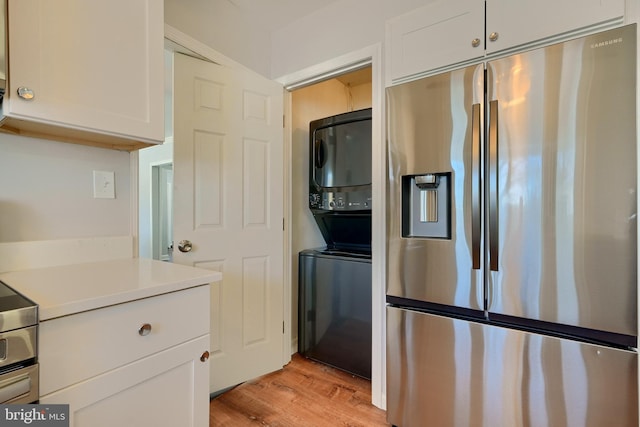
168,389
436,35
520,22
95,66
451,33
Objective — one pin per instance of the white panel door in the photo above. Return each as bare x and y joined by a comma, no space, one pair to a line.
228,202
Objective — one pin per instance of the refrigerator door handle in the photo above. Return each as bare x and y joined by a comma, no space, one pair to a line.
493,185
475,185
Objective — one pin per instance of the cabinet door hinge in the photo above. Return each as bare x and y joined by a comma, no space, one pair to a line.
283,224
283,327
283,121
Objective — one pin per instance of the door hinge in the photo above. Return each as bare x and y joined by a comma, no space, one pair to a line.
283,327
283,224
283,121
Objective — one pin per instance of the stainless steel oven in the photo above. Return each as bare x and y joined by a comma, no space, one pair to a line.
19,375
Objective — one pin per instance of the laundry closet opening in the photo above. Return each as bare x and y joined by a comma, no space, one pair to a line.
331,304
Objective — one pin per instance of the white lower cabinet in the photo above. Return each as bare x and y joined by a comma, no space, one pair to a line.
169,389
141,363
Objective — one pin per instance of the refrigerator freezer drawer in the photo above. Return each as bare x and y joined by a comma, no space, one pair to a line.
451,372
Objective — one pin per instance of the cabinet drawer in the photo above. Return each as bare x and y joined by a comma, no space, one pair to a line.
80,346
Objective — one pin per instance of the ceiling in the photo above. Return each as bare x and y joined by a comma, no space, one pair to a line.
274,14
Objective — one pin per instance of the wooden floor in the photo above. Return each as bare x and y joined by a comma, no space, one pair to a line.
304,393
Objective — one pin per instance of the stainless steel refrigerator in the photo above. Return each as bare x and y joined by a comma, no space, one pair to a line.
511,233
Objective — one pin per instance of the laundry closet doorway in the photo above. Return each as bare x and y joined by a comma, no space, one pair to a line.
344,93
308,97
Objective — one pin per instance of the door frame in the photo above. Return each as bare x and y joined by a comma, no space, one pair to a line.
368,56
160,214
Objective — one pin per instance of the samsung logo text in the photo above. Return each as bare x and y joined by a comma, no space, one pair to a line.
606,43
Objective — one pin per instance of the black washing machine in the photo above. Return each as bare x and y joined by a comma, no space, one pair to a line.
334,313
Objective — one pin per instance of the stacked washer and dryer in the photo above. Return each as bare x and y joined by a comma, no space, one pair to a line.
334,313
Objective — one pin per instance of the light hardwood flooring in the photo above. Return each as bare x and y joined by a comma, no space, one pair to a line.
304,393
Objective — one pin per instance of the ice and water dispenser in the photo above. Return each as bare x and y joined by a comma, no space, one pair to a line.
426,205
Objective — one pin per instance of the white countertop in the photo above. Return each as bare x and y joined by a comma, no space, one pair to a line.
64,290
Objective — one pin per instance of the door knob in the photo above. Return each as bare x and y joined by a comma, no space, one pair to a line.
493,36
185,246
204,357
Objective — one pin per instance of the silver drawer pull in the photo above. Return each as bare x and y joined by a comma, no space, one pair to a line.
144,330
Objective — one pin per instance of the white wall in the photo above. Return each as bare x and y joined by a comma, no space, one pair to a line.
220,25
153,156
168,93
46,191
341,27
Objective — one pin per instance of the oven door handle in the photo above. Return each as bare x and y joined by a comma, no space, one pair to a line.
14,387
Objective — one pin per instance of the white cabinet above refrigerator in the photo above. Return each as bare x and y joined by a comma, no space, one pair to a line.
444,33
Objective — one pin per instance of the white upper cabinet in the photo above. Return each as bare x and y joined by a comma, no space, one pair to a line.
513,23
440,33
93,71
444,33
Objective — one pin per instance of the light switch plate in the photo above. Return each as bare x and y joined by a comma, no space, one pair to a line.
104,185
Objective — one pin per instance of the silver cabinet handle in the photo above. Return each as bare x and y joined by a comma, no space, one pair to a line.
144,330
26,93
475,42
493,36
204,357
185,246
